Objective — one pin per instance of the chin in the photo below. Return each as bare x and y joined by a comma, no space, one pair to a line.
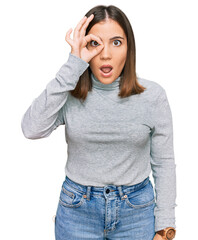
106,80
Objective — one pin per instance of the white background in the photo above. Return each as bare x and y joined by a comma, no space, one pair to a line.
32,50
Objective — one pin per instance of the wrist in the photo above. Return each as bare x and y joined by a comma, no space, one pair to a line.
167,233
77,54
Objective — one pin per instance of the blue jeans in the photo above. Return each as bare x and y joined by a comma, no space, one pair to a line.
109,212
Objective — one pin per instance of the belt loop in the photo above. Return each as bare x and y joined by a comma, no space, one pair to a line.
121,192
88,192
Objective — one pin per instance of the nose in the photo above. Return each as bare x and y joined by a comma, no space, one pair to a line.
105,53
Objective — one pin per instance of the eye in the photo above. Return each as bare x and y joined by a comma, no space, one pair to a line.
117,42
93,45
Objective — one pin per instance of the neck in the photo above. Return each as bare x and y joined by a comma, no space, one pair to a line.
107,87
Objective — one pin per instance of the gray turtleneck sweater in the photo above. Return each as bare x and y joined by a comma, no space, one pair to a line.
110,140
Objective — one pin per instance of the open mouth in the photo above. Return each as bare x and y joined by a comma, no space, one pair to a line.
106,70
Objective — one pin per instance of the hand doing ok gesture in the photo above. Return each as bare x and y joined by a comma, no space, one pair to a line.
80,41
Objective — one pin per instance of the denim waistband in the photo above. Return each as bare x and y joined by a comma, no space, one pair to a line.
121,190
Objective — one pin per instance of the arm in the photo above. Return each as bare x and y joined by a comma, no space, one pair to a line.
163,163
46,113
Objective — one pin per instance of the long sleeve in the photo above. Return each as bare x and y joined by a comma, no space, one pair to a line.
46,113
163,163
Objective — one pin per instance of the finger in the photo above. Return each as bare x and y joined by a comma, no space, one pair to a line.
85,25
96,50
90,37
78,27
67,37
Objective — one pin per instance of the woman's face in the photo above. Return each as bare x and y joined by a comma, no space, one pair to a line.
114,52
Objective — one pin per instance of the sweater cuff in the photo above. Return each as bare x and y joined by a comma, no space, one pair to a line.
79,62
164,218
71,70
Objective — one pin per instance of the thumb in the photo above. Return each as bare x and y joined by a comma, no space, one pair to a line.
97,50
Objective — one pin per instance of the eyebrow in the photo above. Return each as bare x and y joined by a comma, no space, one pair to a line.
116,37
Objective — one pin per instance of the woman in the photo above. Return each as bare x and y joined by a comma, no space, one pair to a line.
118,128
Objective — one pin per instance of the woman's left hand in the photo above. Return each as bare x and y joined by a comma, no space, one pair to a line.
157,237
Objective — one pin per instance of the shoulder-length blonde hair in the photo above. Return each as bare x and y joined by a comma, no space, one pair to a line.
128,82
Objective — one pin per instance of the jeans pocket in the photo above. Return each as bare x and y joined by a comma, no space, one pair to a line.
70,197
141,198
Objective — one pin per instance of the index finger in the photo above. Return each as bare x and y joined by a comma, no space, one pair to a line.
90,37
79,25
85,25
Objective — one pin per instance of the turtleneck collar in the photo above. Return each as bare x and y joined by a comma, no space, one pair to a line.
108,87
